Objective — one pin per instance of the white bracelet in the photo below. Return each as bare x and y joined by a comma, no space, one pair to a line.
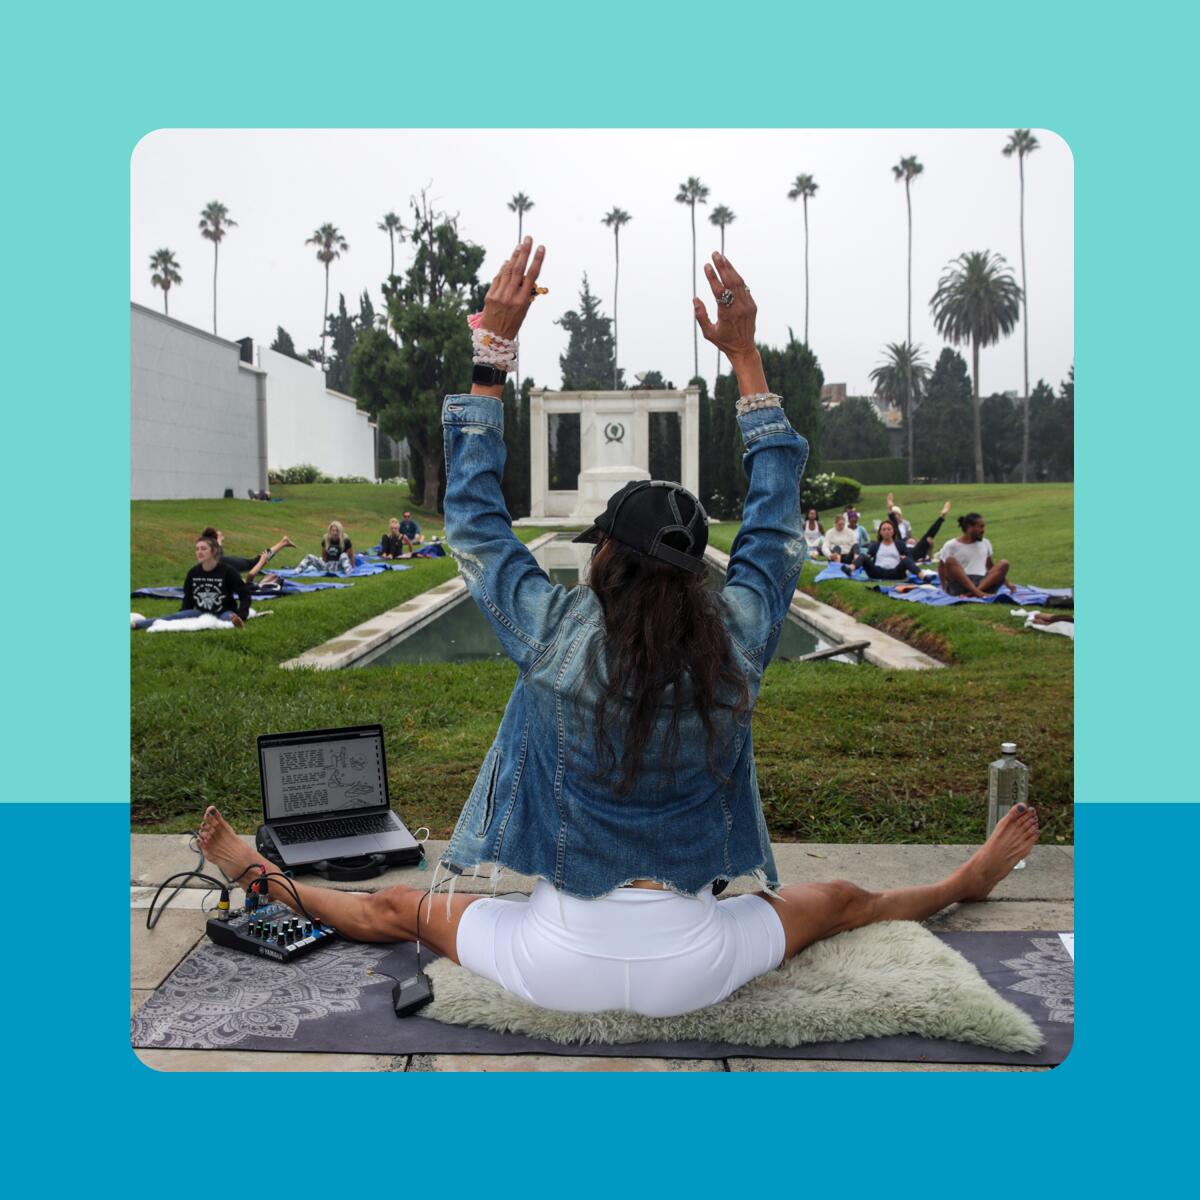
758,400
492,350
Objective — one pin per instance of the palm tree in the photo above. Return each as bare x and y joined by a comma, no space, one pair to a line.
393,228
908,169
721,216
614,219
977,301
693,192
804,186
330,245
214,221
900,381
1021,143
520,204
166,273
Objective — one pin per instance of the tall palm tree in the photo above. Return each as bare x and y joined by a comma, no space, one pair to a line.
692,192
804,186
721,216
520,204
977,301
1021,143
393,228
214,221
908,168
330,245
614,219
166,273
900,381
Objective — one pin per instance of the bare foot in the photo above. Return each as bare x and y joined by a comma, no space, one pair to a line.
1015,835
225,849
236,621
287,541
946,508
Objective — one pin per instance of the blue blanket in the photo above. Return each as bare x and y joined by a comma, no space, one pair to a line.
834,571
363,569
1014,593
433,550
288,588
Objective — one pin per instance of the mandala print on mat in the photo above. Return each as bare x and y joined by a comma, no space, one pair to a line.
216,997
1049,972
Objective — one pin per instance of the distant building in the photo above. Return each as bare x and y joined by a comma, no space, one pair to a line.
205,419
833,394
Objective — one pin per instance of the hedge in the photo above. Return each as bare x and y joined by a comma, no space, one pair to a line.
870,470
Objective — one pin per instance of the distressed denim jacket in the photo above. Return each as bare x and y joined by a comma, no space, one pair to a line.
537,807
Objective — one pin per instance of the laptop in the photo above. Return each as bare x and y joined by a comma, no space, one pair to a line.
325,796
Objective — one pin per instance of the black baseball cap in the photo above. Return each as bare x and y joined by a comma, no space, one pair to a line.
659,519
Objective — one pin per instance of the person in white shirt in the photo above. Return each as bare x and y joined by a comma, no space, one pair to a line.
814,533
841,543
965,564
885,559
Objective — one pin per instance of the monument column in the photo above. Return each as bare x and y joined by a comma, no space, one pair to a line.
538,464
690,422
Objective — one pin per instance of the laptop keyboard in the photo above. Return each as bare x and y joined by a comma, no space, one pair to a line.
322,831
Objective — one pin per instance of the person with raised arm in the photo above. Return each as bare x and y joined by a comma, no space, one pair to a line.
623,773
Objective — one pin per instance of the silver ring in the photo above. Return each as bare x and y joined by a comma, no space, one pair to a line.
725,298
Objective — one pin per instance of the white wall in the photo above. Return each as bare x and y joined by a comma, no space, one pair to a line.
309,423
194,418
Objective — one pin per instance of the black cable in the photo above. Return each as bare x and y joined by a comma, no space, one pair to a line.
152,919
196,848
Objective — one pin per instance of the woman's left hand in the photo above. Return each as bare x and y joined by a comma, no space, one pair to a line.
511,293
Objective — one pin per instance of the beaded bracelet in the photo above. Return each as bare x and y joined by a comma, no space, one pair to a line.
758,400
492,350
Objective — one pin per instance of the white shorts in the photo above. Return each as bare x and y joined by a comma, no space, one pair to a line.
646,951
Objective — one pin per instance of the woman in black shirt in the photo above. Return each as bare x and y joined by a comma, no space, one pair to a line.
337,553
211,588
394,544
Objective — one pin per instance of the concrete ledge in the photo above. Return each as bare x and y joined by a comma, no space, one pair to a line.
358,644
837,628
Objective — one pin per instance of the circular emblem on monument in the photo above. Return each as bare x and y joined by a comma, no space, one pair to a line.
614,431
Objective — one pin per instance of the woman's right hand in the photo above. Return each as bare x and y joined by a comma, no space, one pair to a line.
733,334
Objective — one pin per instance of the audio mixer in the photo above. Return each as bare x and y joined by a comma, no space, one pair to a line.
272,931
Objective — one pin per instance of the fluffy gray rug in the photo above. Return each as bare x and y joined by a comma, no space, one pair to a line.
888,979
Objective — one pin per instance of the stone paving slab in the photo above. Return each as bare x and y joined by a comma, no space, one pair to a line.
1050,874
557,1062
256,1060
813,1064
155,953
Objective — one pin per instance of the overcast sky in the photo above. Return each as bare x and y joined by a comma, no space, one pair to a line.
279,185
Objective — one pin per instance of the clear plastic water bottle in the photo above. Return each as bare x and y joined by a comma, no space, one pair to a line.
1008,784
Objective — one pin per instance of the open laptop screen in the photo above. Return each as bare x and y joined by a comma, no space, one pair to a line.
325,771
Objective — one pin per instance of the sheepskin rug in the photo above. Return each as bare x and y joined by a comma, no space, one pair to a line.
894,978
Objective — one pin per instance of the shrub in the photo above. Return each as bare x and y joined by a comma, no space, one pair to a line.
303,473
828,490
345,479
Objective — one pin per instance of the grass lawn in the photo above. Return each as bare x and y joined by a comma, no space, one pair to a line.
844,753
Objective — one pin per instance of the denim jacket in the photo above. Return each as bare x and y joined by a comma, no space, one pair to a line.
537,807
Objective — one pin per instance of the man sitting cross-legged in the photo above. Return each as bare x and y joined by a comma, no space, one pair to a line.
965,566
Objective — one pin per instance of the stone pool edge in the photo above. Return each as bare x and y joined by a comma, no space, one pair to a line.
356,643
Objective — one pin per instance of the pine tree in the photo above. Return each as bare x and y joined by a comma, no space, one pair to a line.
587,364
945,422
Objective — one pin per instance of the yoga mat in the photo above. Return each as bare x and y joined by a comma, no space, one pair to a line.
220,999
834,571
289,588
1013,594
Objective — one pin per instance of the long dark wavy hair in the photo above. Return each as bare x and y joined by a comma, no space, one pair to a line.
662,630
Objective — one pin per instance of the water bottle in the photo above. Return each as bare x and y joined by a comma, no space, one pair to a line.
1008,784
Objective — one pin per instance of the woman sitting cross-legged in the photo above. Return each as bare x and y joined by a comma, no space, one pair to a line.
623,773
211,588
337,554
885,558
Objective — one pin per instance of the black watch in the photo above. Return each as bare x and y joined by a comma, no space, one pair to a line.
488,376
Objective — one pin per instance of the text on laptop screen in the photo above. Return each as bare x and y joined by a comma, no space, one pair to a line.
329,775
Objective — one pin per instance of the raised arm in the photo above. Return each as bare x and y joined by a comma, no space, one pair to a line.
513,592
769,550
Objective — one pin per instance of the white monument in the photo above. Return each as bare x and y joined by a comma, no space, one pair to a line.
614,447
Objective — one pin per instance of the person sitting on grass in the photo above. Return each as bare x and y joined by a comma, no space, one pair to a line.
393,544
886,558
813,532
211,587
841,542
633,707
411,529
919,549
965,565
854,524
337,553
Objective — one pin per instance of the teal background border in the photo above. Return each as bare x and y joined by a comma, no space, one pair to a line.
82,84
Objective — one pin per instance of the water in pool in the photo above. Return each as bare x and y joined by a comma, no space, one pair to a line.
462,634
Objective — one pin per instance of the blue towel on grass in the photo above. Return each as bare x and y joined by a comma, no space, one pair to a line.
361,571
1015,593
289,588
834,571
